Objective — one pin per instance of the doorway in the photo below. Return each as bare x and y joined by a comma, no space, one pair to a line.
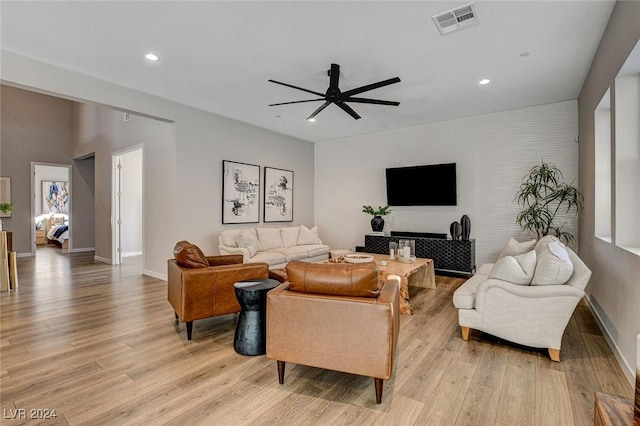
127,212
51,204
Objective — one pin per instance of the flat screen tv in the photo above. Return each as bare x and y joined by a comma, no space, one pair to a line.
430,185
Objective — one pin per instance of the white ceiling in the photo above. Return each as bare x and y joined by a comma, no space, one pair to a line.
218,56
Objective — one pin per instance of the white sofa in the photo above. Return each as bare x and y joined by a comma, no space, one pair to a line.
276,246
527,296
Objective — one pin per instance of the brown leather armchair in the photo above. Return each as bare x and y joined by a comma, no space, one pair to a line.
335,316
201,286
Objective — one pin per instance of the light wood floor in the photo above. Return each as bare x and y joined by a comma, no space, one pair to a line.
99,344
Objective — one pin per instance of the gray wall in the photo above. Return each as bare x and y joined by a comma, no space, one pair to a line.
182,181
614,290
38,128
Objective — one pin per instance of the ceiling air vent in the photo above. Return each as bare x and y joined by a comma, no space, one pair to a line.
456,19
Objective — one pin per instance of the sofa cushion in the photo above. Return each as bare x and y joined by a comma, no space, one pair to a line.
308,236
229,237
515,248
269,238
289,235
515,269
271,257
189,255
465,296
249,241
356,280
292,253
554,266
316,249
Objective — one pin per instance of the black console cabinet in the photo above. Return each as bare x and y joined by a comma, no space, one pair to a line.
448,255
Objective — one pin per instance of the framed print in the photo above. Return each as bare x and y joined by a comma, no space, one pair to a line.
5,194
55,197
240,192
278,195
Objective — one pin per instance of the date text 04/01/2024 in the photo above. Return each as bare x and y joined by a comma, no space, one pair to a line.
33,413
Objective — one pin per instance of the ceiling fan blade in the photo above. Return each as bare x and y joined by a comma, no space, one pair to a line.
370,101
346,108
334,75
371,86
296,87
320,108
297,102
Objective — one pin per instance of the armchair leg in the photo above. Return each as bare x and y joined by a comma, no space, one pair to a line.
465,333
281,365
189,329
379,385
554,354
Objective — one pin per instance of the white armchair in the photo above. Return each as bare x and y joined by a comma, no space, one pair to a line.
531,315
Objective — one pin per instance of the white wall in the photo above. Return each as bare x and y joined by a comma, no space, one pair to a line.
182,179
613,291
492,153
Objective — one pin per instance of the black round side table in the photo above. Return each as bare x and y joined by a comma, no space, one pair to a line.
250,337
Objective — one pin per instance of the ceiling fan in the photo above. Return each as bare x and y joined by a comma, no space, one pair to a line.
335,96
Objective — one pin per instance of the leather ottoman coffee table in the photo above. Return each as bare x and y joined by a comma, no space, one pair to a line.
250,336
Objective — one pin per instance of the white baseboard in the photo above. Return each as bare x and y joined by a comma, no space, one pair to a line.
132,253
624,365
102,259
154,274
82,249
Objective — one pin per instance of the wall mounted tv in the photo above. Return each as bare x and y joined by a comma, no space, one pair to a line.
430,185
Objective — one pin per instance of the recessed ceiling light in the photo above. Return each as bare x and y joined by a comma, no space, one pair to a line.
523,54
151,57
484,81
311,120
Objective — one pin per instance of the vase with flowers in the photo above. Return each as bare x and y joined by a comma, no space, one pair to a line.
377,223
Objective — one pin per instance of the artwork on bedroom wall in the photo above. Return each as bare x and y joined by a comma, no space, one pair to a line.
55,197
278,195
5,194
240,192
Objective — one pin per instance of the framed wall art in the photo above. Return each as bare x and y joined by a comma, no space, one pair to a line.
278,195
240,192
5,194
55,197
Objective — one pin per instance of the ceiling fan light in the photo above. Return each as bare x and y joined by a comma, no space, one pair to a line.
312,120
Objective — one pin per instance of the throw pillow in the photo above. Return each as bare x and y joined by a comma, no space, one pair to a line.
554,265
189,255
515,269
308,236
515,248
270,238
339,279
290,235
248,241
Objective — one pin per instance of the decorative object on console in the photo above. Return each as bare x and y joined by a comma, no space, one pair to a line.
456,231
240,192
465,224
377,223
543,194
278,195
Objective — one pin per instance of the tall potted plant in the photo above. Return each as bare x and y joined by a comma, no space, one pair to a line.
543,194
377,223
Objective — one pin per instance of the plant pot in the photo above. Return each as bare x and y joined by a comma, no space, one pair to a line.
377,223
